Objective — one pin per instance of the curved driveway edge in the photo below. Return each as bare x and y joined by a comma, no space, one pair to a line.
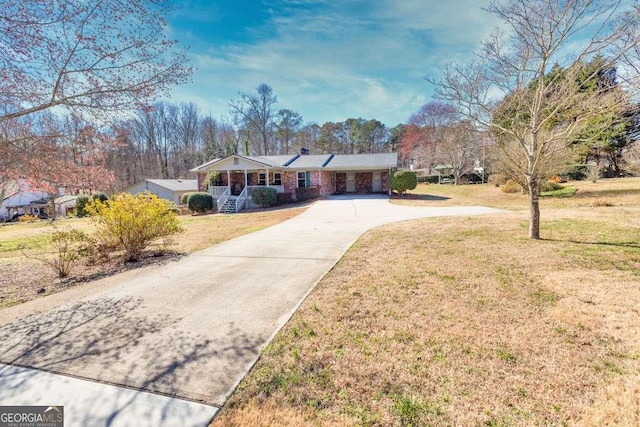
191,328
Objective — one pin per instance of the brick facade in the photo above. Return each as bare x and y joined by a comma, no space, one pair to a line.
364,182
290,182
331,182
341,182
202,178
324,180
385,181
328,183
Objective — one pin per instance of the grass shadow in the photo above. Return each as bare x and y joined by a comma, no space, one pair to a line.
635,245
608,193
427,197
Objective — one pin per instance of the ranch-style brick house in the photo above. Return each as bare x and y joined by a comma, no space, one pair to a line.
296,176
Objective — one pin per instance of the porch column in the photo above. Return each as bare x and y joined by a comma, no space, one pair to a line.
267,174
245,179
320,178
229,181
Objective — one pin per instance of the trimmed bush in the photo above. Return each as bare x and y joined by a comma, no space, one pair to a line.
200,202
284,198
307,193
131,223
401,181
511,187
185,198
264,196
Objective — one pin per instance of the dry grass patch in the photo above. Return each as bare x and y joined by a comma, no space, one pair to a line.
23,279
605,192
464,321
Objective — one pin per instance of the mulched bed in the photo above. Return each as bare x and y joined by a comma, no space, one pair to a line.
23,279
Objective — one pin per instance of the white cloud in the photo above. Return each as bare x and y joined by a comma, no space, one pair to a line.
342,61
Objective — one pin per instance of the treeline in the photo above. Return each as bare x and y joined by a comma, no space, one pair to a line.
166,140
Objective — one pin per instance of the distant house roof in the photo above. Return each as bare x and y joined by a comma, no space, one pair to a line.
318,161
66,199
176,184
169,184
25,198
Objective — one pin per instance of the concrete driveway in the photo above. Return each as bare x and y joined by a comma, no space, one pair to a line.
189,329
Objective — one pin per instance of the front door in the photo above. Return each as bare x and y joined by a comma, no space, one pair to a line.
351,182
376,187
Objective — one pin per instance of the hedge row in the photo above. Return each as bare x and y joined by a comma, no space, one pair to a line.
265,196
306,193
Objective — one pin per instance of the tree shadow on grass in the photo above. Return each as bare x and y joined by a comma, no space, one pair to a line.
614,192
427,197
632,244
114,341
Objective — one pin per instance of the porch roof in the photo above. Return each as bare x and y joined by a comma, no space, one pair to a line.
243,163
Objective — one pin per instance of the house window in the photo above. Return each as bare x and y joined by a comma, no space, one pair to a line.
262,179
302,179
277,178
236,161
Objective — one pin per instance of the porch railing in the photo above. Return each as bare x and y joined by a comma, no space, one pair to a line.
222,198
217,191
242,198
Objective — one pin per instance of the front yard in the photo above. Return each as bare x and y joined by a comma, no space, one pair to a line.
23,279
465,321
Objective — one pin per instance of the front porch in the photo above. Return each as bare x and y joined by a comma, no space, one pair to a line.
227,202
232,190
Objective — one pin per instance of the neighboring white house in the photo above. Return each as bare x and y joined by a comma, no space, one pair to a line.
23,202
170,189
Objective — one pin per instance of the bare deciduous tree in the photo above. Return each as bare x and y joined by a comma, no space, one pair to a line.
257,113
542,110
457,147
289,123
90,58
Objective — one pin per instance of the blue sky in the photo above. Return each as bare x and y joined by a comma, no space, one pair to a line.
327,59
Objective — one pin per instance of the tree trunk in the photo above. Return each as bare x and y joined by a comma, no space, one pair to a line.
534,208
53,206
